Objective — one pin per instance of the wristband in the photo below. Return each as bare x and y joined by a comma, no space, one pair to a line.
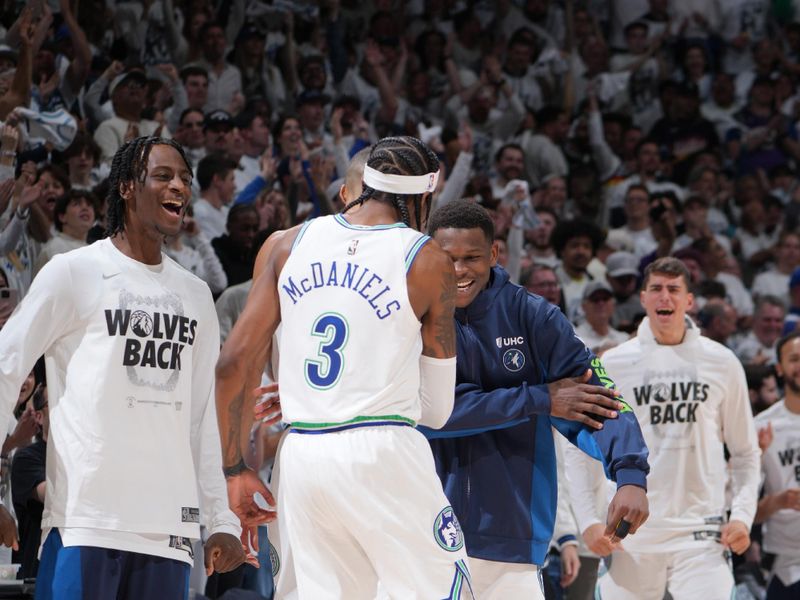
235,469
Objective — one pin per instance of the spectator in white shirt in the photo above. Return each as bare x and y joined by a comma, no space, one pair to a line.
217,187
758,346
775,281
598,307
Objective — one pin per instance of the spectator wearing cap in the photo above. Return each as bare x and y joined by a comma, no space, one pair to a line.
127,92
256,146
721,107
311,114
543,153
758,346
684,132
73,218
637,220
259,76
217,186
598,308
775,281
762,138
224,79
218,129
576,243
190,134
191,91
622,274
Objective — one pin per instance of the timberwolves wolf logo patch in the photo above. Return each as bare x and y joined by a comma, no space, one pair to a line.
447,531
274,560
513,360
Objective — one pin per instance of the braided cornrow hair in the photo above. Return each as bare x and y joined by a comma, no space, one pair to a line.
404,155
129,165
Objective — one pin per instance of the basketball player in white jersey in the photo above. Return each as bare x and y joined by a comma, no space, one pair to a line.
367,346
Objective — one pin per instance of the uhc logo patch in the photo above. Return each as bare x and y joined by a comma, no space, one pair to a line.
447,530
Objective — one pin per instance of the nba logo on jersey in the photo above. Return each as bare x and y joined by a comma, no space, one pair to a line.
513,360
351,249
447,530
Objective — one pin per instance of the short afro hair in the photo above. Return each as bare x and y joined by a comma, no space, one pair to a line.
462,214
567,230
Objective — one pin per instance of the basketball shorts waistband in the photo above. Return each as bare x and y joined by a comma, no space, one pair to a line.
355,423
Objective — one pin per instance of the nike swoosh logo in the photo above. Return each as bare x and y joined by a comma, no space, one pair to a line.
109,276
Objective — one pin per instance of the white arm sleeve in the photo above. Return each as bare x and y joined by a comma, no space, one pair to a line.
739,433
205,440
437,388
581,481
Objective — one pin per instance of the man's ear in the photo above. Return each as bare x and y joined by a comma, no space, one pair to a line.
126,190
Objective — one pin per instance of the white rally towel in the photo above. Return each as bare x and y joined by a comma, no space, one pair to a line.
57,127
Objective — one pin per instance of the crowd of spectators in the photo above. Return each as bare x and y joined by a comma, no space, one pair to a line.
600,134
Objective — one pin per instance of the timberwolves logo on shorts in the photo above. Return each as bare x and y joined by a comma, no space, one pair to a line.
513,359
447,531
274,560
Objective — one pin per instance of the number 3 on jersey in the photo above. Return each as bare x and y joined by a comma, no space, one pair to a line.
323,371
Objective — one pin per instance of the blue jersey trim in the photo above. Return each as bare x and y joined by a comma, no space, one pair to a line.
414,250
349,426
300,235
345,223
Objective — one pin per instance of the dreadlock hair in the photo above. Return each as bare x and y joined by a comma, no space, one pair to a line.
129,165
403,155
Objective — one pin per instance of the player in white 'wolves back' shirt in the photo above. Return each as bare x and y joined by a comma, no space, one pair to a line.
130,340
367,347
779,509
690,396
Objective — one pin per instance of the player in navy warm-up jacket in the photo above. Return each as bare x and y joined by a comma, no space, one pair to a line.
519,368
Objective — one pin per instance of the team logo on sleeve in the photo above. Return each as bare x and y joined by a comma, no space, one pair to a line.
274,560
447,530
513,359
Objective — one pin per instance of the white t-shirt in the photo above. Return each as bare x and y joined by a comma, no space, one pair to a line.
772,283
594,340
130,351
211,220
781,466
690,399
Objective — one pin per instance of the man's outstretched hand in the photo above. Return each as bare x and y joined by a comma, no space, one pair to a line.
242,489
575,399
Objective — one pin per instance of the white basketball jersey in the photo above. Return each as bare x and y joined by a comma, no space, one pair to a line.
350,342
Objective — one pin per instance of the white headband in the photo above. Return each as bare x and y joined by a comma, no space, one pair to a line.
400,184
